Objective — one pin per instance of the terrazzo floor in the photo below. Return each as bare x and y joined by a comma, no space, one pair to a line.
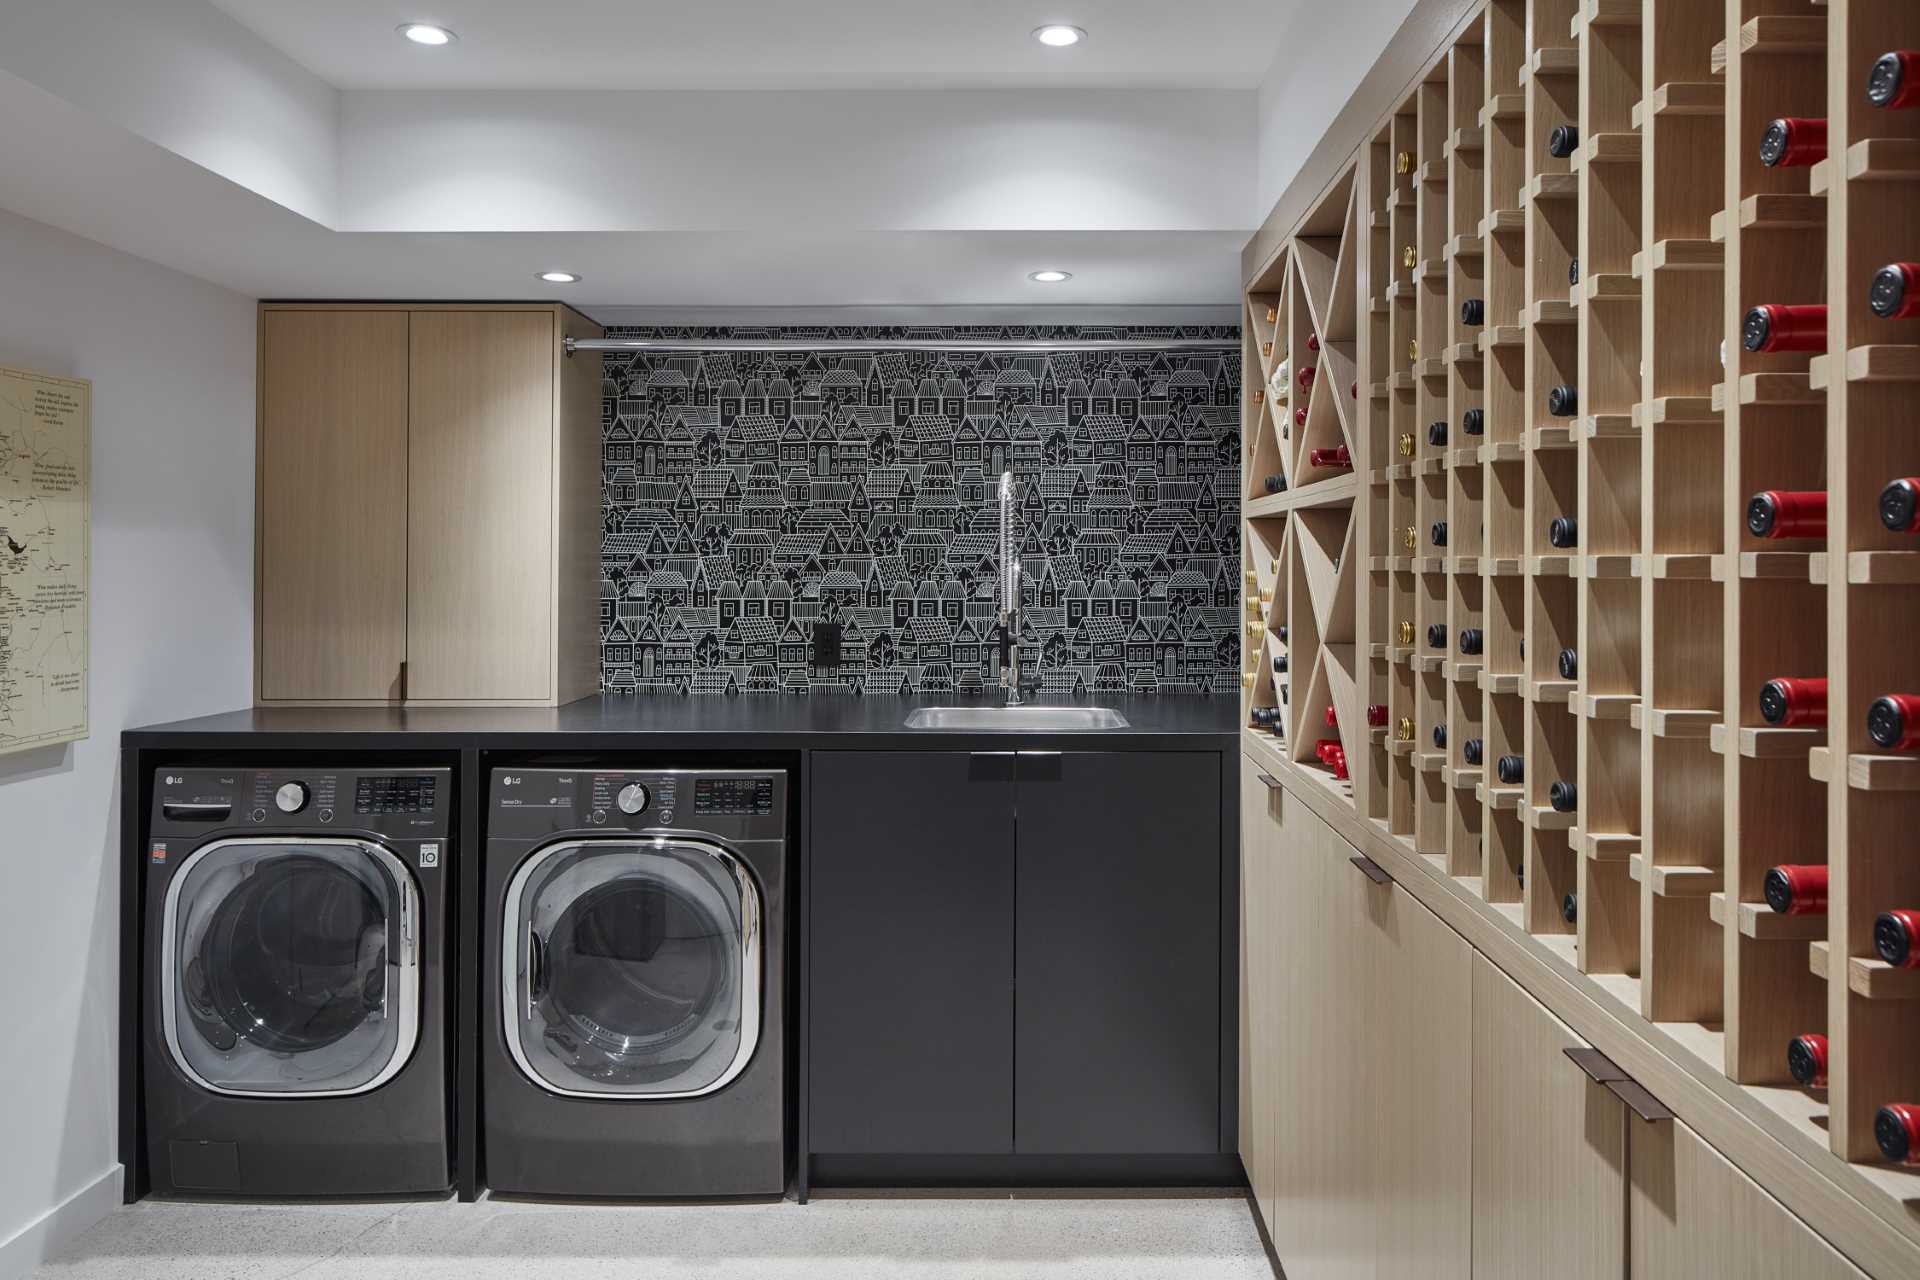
863,1239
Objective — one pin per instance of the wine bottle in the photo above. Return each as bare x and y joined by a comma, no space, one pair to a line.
1896,1127
1796,889
1564,532
1793,700
1313,342
1376,713
1787,513
1474,422
1473,750
1894,82
1771,328
1331,717
1438,534
1563,141
1563,401
1563,796
1264,716
1276,484
1338,457
1279,664
1437,434
1894,936
1807,1060
1436,635
1570,907
1569,665
1473,312
1794,142
1280,634
1900,505
1300,416
1573,272
1439,737
1470,641
1893,722
1511,770
1895,292
1305,377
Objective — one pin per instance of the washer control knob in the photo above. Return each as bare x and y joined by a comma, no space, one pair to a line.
632,798
291,797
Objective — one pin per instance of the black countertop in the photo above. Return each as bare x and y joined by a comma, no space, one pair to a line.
763,722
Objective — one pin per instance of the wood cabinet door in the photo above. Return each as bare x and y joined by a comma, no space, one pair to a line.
332,505
1119,924
909,928
480,528
1262,914
1695,1215
1549,1146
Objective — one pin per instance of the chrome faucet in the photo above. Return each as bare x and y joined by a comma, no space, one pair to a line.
1009,591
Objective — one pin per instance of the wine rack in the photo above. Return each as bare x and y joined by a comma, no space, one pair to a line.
1535,264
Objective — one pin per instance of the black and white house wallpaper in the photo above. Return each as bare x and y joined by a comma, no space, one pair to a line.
749,497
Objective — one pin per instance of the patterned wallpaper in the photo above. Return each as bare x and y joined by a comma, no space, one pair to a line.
750,496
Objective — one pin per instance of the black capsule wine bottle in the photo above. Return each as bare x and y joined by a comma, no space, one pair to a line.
1436,635
1472,750
1279,664
1263,716
1470,640
1573,272
1473,422
1570,907
1564,532
1280,634
1563,796
1511,770
1438,533
1276,484
1563,141
1437,434
1569,665
1440,737
1473,312
1563,401
1900,505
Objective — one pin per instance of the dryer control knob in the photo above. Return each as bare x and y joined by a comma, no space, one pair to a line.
291,797
632,798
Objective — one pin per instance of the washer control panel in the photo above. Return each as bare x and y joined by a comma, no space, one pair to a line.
397,802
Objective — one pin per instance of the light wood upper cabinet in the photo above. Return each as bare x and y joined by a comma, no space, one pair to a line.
429,505
1549,1146
331,555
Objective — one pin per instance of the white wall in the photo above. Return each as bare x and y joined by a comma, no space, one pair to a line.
1322,57
171,359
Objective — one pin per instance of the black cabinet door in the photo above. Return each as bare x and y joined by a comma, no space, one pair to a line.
911,942
1117,1009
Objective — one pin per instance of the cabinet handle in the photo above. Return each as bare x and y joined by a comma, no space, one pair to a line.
1038,753
1371,869
1606,1073
989,755
1272,783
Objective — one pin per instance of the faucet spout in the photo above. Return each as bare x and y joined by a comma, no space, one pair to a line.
1009,591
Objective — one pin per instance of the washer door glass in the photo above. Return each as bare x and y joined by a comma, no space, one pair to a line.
290,966
632,968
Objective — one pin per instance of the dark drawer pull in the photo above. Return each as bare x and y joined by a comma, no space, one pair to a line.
1272,783
1599,1067
1606,1073
1371,869
991,755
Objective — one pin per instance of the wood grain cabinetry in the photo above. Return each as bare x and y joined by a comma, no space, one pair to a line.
428,505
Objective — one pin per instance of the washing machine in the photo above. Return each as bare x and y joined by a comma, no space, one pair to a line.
294,950
635,1038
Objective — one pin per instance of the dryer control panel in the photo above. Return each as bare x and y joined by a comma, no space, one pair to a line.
733,804
405,803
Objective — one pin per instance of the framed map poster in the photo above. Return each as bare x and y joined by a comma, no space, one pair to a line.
45,511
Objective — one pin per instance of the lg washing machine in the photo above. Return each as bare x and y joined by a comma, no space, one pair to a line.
294,973
634,1040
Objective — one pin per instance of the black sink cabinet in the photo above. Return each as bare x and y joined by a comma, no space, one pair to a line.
1015,968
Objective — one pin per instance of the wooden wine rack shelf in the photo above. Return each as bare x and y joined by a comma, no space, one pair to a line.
1617,269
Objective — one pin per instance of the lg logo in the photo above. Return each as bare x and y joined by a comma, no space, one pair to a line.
509,781
174,779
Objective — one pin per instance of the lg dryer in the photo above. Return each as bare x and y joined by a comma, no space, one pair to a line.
294,1011
634,1037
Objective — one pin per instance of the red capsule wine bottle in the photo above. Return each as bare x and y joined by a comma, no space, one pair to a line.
1896,936
1772,328
1376,713
1893,722
1796,889
1895,292
1807,1060
1794,142
1897,1129
1894,82
1794,700
1338,457
1787,513
1900,505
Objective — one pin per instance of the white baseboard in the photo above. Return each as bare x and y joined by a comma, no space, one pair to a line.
28,1247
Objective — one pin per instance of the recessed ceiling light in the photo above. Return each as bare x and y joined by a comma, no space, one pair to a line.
1051,277
427,33
1059,36
559,277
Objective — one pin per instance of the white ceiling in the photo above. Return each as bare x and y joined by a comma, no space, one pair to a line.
763,44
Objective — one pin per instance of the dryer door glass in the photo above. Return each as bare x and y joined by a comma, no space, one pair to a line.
632,968
290,967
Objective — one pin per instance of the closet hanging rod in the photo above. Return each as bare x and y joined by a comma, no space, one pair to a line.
868,345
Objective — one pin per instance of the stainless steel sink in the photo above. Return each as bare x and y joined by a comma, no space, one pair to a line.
1032,719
